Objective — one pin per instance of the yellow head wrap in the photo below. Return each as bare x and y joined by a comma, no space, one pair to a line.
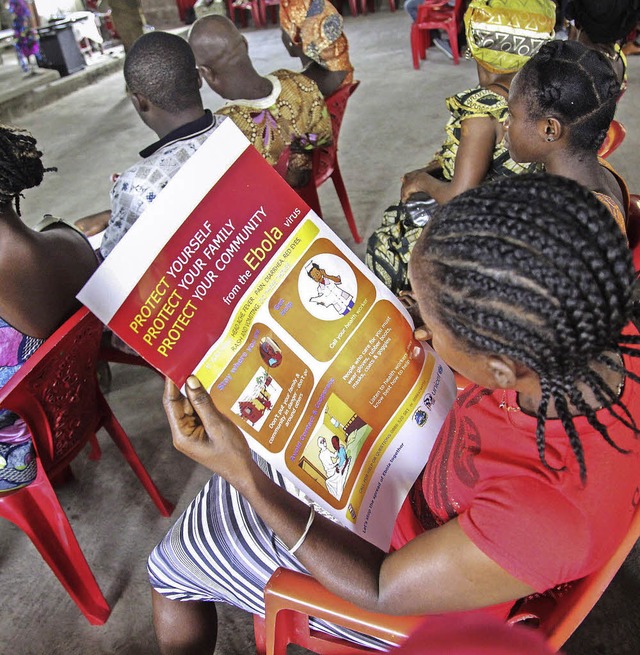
503,34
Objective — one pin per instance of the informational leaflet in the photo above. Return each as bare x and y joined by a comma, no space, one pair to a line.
230,276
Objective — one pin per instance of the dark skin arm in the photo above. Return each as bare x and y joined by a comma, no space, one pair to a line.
94,223
441,570
477,142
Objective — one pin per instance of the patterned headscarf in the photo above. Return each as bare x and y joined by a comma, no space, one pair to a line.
316,26
503,34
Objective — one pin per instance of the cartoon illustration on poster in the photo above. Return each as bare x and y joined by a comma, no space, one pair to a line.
334,446
258,398
327,287
270,352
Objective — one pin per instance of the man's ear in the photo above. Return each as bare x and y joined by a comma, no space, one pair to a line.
207,74
503,370
140,102
550,128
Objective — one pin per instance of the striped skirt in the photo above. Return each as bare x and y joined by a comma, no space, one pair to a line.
219,550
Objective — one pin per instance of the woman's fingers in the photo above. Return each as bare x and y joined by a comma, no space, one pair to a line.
422,333
203,405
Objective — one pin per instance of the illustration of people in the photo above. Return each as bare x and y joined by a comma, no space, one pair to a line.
329,460
330,294
341,452
270,352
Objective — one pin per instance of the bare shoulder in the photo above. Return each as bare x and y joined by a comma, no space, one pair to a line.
40,275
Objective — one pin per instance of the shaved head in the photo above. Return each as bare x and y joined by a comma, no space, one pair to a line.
217,43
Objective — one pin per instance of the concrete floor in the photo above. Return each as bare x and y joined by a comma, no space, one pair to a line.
393,124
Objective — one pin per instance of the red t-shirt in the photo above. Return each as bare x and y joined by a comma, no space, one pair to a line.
541,525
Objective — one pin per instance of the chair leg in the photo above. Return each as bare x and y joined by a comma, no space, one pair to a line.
392,5
36,510
259,634
119,436
95,453
257,14
425,42
341,190
453,42
231,11
353,7
279,624
415,46
309,194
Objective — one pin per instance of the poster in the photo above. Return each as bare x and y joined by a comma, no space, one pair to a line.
229,275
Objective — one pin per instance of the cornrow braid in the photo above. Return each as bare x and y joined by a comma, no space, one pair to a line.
576,85
20,164
533,268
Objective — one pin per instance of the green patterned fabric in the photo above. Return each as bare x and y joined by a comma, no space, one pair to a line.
503,34
390,246
477,103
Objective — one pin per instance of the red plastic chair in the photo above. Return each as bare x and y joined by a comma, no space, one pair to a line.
435,15
325,162
633,229
270,6
615,136
243,6
56,392
370,5
291,598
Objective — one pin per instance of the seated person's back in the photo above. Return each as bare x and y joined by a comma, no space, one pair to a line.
164,87
275,112
40,275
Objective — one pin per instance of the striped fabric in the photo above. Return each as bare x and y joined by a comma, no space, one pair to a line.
220,550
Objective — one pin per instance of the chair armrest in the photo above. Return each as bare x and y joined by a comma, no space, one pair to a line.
301,593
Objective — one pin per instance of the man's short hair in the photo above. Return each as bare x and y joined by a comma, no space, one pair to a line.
161,67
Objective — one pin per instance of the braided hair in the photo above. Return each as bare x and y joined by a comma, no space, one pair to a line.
605,21
532,267
576,85
20,165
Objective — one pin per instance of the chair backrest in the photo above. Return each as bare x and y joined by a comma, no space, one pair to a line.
440,10
56,390
633,228
615,136
324,158
559,617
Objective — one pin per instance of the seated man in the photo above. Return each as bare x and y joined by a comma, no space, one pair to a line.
164,87
283,109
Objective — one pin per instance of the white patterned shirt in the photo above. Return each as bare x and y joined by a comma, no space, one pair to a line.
140,184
